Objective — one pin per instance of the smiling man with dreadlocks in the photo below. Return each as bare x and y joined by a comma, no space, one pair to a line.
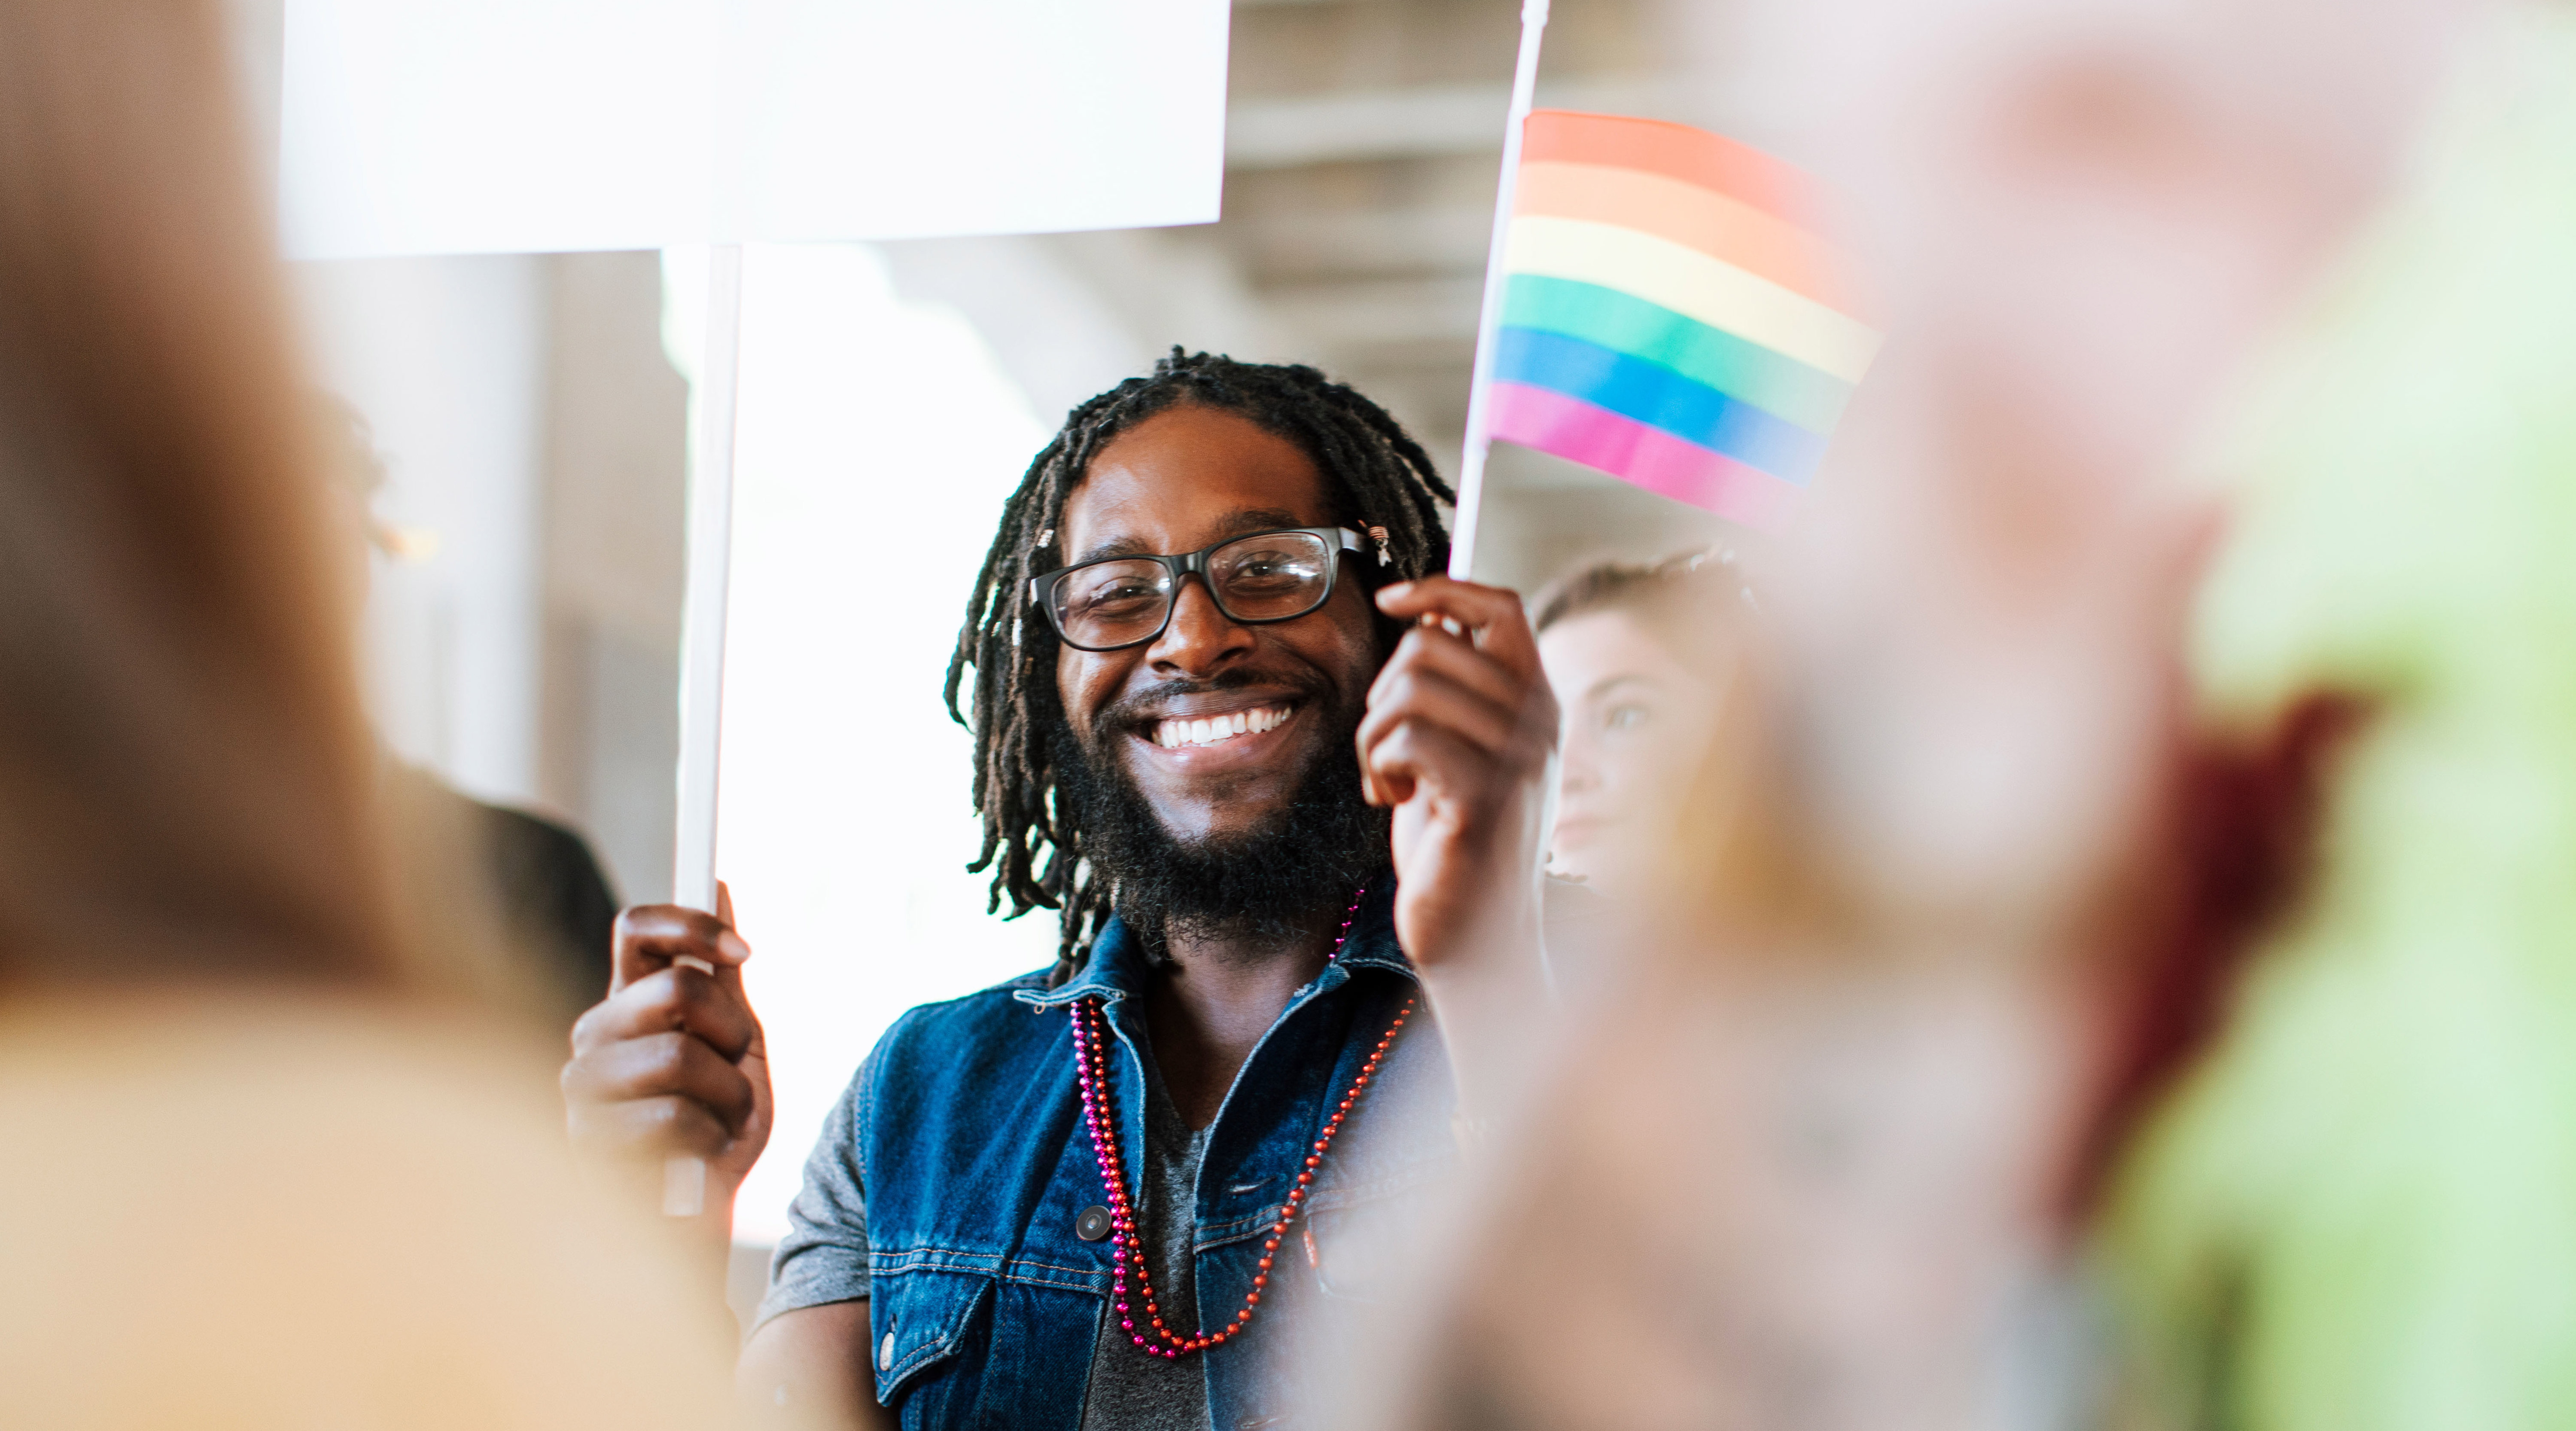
1221,701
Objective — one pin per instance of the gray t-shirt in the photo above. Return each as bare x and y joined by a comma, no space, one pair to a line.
824,1259
1129,1388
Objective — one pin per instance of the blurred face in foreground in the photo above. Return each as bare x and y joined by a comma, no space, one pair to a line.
1636,721
1829,1138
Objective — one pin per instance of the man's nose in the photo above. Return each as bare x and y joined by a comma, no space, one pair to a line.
1199,639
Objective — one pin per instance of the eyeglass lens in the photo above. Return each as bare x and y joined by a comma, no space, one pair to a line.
1270,577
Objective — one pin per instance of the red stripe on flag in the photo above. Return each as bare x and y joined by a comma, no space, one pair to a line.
1639,455
1676,151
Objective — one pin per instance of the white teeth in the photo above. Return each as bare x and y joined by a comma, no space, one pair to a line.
1208,730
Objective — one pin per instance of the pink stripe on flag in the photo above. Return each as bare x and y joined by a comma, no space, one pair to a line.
1640,455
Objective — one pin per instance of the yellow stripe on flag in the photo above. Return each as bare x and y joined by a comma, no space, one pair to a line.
1693,284
1728,230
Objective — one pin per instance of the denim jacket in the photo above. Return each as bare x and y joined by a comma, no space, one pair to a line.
985,1305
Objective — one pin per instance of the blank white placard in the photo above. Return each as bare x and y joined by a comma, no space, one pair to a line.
879,437
523,126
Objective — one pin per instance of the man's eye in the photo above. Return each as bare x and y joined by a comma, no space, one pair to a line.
1268,564
1625,717
1110,593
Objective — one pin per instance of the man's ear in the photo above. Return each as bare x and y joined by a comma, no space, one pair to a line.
1365,575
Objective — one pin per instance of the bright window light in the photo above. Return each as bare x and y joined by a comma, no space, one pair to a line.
877,441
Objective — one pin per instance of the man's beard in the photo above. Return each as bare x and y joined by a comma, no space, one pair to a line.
1268,882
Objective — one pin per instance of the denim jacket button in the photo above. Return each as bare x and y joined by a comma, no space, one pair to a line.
885,1353
1091,1224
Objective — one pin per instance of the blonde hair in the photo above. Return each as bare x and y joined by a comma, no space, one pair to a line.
184,769
1679,597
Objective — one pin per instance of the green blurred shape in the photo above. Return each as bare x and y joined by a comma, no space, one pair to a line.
2361,1213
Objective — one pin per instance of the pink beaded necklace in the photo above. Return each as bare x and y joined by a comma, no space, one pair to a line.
1091,1075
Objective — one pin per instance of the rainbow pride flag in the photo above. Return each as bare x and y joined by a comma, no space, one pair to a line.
1670,316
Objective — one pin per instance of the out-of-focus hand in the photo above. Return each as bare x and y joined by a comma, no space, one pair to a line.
1460,738
672,1063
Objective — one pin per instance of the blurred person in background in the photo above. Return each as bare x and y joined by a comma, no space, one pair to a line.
1641,657
272,1161
542,880
1960,888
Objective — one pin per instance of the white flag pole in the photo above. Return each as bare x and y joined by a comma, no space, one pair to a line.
702,638
1471,461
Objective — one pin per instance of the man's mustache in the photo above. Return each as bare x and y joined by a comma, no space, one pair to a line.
1138,706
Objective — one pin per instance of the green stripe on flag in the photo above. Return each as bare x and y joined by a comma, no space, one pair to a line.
1779,385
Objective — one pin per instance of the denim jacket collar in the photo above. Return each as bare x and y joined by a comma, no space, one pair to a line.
1118,968
986,1303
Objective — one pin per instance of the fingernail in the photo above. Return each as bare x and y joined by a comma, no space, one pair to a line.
733,946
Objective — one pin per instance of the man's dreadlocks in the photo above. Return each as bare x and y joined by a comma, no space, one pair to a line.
1377,477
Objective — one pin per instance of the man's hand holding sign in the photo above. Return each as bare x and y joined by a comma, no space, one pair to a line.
672,1063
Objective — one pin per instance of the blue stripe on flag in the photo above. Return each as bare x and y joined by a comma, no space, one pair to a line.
1658,397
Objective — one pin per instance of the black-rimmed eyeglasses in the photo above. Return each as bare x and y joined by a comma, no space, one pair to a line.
1121,601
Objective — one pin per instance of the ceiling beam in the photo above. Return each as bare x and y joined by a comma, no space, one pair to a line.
1419,122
